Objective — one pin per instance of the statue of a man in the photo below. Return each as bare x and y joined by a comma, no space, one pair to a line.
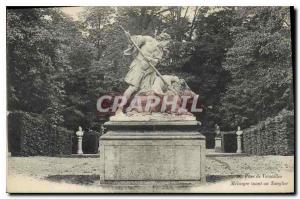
141,75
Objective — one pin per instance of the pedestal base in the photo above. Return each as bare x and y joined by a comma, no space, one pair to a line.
218,145
152,152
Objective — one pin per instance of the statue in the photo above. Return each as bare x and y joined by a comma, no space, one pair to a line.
156,116
239,134
145,80
79,135
141,74
217,130
218,139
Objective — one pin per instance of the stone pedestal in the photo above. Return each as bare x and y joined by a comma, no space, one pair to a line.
239,140
218,144
152,152
79,135
239,144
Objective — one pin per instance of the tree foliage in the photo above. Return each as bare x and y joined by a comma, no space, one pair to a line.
237,59
260,65
34,56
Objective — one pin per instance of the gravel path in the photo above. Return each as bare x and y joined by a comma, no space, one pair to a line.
44,166
53,174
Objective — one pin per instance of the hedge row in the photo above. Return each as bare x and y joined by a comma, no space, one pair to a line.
30,134
274,136
90,142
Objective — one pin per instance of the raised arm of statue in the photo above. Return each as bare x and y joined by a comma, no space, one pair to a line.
139,40
130,50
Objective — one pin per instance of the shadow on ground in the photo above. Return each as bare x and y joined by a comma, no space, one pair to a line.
219,178
74,179
92,179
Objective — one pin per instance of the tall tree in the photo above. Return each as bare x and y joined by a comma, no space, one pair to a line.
199,61
33,58
260,66
95,20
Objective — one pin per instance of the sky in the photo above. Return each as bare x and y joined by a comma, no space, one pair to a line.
72,11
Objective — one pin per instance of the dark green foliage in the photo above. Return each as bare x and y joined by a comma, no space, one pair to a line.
237,59
90,142
33,58
274,136
229,142
30,134
260,65
207,76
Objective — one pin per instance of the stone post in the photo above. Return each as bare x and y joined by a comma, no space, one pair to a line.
218,140
79,135
239,140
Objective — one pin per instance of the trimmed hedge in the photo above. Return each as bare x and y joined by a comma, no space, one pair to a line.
90,142
29,135
274,136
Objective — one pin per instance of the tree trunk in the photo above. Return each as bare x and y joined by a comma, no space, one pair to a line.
193,24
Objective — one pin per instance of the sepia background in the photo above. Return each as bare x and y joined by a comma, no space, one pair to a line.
238,59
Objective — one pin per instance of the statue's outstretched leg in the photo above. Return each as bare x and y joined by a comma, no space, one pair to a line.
128,93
